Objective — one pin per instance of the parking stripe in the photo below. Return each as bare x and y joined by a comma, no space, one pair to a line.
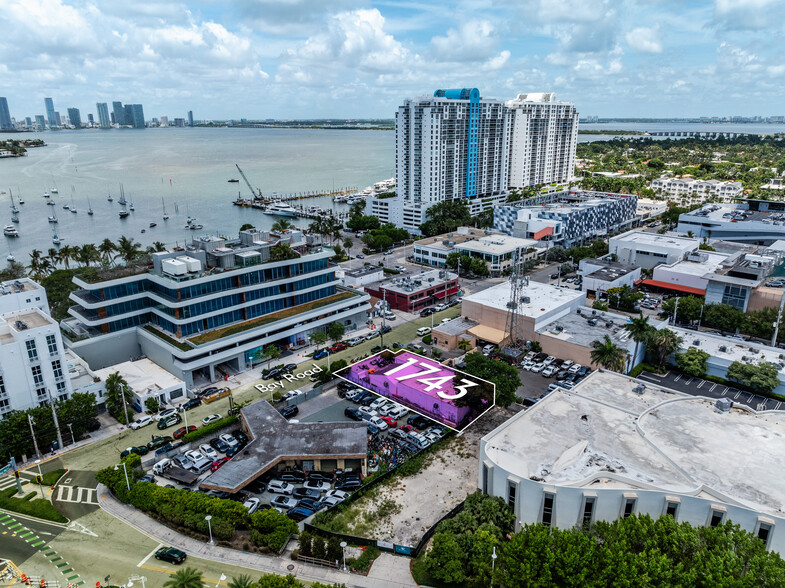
778,406
73,577
738,393
713,387
701,384
688,382
37,544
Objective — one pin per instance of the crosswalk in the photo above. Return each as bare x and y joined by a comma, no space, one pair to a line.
9,481
76,494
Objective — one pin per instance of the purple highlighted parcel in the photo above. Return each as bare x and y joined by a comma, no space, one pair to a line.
451,397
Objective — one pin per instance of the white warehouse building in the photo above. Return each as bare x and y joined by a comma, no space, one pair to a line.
613,447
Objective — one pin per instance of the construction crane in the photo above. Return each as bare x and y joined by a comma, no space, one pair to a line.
257,194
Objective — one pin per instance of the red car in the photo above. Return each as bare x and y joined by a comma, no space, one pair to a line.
390,421
339,347
407,429
182,431
218,464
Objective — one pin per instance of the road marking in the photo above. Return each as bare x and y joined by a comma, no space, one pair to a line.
701,384
149,555
738,393
156,569
778,406
74,494
37,544
713,387
688,382
724,392
80,528
677,378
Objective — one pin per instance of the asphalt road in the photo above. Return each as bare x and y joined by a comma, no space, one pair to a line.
701,387
22,538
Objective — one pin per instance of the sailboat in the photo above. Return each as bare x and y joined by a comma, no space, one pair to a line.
19,192
54,189
73,206
14,209
122,200
166,214
89,208
109,197
53,218
131,207
55,239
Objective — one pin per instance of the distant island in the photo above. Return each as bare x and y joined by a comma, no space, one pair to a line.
18,148
329,124
594,132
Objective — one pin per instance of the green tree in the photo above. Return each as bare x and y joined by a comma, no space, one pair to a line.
156,247
116,389
505,376
761,377
479,267
79,410
688,309
445,216
640,330
363,223
243,580
446,559
607,354
662,343
151,404
693,362
336,331
282,251
271,352
128,250
464,345
246,226
623,298
185,578
724,317
282,225
275,581
339,253
107,249
318,338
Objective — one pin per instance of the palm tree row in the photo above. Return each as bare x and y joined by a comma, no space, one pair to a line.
88,254
660,343
327,227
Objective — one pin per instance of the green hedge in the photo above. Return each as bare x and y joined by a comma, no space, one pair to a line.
391,271
636,371
50,478
210,429
363,563
31,506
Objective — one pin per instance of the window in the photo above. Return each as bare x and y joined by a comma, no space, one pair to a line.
547,508
716,517
32,351
672,508
51,344
42,395
764,530
57,369
512,490
588,510
38,377
629,506
484,479
61,389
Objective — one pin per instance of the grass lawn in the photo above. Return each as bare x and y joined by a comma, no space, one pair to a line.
30,505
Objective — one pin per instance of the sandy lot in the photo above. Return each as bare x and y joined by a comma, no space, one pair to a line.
400,510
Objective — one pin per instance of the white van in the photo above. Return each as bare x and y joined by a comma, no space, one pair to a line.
398,412
418,439
422,331
142,421
161,466
201,465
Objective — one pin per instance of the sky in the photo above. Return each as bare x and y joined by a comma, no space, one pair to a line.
362,58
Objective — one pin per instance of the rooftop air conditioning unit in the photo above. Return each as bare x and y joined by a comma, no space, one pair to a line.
593,312
696,342
578,311
526,299
723,349
639,389
608,324
723,404
753,350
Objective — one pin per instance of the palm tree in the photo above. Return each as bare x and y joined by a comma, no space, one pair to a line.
156,247
607,354
185,578
107,248
116,389
36,262
665,342
53,256
464,345
282,225
640,330
347,244
282,251
66,254
128,249
241,581
87,254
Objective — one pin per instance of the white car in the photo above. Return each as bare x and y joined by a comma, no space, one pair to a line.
352,393
441,306
356,341
446,320
529,356
567,363
316,485
251,504
368,410
210,419
229,440
388,316
292,394
431,436
574,368
208,451
388,408
194,456
549,360
166,413
339,494
284,502
528,365
377,422
329,501
550,371
377,404
537,368
142,422
279,487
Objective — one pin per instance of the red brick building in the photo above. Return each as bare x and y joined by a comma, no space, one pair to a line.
412,293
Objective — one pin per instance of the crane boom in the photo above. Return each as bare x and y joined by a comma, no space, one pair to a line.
250,187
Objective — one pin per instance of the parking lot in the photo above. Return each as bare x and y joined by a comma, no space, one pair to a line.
701,387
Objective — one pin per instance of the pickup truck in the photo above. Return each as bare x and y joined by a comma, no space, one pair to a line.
180,475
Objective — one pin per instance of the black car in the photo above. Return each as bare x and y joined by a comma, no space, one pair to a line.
257,486
310,504
583,371
290,367
148,478
320,476
171,555
93,425
376,349
353,413
206,392
289,411
373,429
219,445
306,493
348,484
298,513
140,450
419,422
240,436
157,442
554,276
164,448
361,396
271,374
427,312
345,386
561,374
232,451
292,476
368,400
192,403
385,329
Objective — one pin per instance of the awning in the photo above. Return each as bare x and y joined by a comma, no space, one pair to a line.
488,334
676,287
543,233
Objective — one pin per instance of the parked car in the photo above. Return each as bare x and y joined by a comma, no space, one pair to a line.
427,312
372,335
294,476
183,431
292,394
320,476
307,493
298,513
561,374
549,360
280,487
317,485
219,445
328,501
208,451
143,421
321,354
368,411
209,390
356,341
252,504
218,463
289,411
150,478
271,373
210,419
420,422
584,371
353,413
440,307
192,403
284,501
157,442
360,256
550,371
348,484
339,347
170,554
310,504
574,368
229,440
385,329
169,421
339,494
422,331
165,414
391,422
360,396
182,462
221,393
234,450
537,368
555,276
138,450
194,455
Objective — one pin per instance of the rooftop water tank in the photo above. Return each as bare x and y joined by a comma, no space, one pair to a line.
174,267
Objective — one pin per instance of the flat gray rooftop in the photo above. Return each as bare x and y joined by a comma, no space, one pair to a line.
274,439
456,326
602,431
576,328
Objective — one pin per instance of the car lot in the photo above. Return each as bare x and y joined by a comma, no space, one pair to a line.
701,387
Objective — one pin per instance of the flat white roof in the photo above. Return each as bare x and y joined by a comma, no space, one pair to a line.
602,431
143,376
697,268
664,240
544,298
496,244
733,349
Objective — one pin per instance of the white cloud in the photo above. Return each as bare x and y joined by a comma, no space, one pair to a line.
475,40
645,39
748,14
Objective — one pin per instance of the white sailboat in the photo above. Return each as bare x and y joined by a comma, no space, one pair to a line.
89,208
14,209
53,218
55,239
19,195
73,206
163,204
122,200
54,189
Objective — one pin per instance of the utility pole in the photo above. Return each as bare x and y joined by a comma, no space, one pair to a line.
125,408
384,311
54,418
777,324
32,432
675,310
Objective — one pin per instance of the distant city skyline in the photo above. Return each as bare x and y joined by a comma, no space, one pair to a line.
360,58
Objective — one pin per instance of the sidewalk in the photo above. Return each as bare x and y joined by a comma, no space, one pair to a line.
386,567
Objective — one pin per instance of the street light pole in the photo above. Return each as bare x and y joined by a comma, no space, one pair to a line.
221,579
70,427
40,477
127,485
343,548
35,443
493,564
208,518
54,418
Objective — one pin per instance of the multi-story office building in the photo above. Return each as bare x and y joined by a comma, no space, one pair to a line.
33,370
543,140
51,117
164,122
103,115
190,118
128,115
137,116
613,447
648,250
413,293
58,120
5,115
119,113
212,307
567,218
75,118
28,122
449,146
40,122
760,222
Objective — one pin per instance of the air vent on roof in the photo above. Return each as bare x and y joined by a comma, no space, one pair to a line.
753,350
639,389
744,358
578,310
723,349
696,342
723,404
593,312
608,324
526,299
20,325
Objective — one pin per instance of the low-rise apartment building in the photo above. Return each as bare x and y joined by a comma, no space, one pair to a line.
690,189
412,293
648,250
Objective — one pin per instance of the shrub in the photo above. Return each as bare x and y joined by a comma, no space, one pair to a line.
319,548
210,429
30,505
427,339
305,543
363,563
50,478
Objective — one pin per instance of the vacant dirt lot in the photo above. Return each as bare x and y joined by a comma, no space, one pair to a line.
400,510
